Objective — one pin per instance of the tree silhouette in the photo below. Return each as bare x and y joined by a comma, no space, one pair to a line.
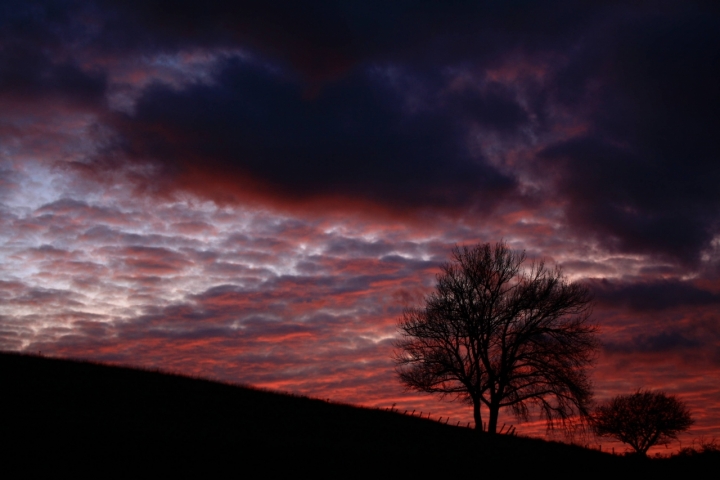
642,419
497,334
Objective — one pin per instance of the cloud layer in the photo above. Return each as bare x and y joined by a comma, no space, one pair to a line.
253,193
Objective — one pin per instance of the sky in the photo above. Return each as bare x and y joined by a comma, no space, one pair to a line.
254,192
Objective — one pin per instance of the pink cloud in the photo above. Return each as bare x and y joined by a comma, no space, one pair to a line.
308,303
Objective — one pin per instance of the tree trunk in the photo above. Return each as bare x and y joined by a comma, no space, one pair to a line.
492,422
476,414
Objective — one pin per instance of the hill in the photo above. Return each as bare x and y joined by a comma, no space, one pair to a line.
64,415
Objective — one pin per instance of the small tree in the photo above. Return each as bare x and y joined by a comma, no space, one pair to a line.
642,419
498,335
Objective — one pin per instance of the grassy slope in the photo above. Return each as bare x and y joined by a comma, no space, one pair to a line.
62,415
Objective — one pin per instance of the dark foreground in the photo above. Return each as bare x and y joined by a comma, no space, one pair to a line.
62,416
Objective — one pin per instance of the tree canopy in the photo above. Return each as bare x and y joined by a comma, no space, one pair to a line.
642,419
498,334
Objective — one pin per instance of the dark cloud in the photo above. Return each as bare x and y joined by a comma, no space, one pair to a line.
494,107
584,132
27,75
354,138
360,100
644,176
324,39
664,342
36,61
652,295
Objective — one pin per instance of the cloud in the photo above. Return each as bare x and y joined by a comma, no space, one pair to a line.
323,39
660,343
253,193
36,61
605,108
28,76
354,139
652,295
641,178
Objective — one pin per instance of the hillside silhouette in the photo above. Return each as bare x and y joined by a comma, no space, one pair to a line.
62,415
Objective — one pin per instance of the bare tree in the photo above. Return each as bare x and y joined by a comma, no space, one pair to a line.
496,334
642,419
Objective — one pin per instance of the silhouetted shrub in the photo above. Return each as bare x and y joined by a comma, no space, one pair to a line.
642,419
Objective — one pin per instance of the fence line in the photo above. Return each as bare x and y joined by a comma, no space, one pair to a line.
502,431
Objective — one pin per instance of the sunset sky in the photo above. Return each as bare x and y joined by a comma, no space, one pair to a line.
252,192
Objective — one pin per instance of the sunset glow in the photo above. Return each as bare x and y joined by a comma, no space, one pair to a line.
254,195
